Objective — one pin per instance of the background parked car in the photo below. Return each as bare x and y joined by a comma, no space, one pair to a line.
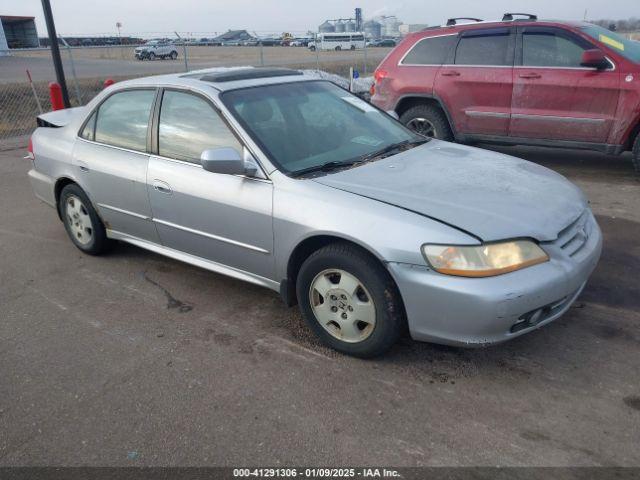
386,42
546,83
156,49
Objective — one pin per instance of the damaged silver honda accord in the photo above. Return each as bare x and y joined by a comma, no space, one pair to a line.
277,178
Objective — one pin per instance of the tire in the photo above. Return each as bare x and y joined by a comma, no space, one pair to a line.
82,223
353,47
151,56
312,48
338,48
432,118
173,55
635,158
337,319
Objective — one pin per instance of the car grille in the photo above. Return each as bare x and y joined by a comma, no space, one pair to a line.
574,237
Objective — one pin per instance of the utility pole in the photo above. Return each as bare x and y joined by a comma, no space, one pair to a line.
55,52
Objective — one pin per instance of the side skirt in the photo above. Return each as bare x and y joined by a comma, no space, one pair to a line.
607,148
196,261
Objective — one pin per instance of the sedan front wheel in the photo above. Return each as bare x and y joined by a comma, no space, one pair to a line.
349,300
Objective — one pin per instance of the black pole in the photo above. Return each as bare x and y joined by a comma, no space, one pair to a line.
55,52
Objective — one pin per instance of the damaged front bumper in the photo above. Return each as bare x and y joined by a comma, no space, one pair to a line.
470,312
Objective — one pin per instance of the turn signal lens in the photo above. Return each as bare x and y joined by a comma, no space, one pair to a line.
379,75
484,260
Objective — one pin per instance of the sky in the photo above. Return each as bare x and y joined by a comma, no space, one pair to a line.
140,17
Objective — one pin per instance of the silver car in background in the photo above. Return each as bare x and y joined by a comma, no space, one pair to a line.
289,182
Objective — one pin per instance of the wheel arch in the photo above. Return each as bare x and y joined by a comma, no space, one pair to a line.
57,190
408,101
308,246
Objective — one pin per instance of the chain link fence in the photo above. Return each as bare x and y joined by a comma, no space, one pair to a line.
87,68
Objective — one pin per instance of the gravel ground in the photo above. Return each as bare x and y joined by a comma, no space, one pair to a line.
134,359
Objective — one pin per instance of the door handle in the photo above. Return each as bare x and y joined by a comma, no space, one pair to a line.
162,187
530,75
83,167
451,73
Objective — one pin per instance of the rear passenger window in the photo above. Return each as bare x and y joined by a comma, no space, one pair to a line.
484,49
123,119
546,49
430,51
189,125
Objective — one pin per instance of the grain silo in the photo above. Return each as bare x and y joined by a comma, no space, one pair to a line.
372,29
326,27
350,26
340,26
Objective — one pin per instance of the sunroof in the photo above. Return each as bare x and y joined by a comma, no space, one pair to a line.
248,74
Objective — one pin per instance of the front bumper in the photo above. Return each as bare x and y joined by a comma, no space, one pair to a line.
482,311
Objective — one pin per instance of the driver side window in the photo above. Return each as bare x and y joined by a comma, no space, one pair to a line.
189,125
546,49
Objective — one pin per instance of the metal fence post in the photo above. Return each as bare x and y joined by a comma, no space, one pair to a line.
73,70
364,51
261,54
184,52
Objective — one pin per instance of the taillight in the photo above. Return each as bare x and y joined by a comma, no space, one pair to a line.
30,154
379,75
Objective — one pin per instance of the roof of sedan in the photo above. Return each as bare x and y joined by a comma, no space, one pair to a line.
226,78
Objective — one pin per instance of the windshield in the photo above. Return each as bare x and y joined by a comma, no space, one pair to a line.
305,125
629,49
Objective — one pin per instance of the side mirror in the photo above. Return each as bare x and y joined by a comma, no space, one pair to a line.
223,160
594,58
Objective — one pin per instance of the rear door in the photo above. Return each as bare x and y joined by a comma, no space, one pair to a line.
556,98
417,69
476,86
111,160
226,219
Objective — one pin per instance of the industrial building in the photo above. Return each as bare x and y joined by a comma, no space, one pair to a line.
17,32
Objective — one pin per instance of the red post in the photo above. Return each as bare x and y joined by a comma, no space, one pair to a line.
55,94
108,82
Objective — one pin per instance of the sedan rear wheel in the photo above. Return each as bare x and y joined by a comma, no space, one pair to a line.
350,301
151,56
82,223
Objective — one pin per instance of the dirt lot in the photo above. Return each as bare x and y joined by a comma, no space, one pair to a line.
134,359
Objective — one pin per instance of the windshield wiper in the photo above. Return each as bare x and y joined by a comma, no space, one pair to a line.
392,148
334,165
325,167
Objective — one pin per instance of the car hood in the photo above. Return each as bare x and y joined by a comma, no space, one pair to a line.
490,195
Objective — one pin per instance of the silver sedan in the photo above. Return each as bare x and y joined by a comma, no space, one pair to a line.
290,182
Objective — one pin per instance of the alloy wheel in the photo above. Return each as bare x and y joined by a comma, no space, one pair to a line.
422,126
79,220
342,305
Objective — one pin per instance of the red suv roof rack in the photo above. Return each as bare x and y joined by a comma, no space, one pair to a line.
509,16
454,21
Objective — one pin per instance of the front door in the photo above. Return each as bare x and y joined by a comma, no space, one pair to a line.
556,98
226,219
476,87
111,162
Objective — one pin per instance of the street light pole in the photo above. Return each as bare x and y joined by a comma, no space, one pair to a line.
55,52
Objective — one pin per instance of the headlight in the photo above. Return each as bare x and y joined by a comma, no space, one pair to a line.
484,260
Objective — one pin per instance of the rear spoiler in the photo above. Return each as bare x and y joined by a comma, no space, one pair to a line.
58,118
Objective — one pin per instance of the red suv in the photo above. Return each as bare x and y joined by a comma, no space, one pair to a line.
524,81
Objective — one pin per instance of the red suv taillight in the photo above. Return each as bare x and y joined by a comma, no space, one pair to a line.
378,75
